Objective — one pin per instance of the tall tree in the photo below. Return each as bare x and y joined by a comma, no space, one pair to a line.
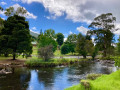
60,38
118,46
71,41
16,35
50,33
83,46
102,27
44,40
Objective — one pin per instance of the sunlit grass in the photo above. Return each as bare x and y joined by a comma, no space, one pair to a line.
105,82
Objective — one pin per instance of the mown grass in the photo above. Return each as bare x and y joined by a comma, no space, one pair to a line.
105,82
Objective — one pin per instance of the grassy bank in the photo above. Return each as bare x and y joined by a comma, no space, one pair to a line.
105,82
52,62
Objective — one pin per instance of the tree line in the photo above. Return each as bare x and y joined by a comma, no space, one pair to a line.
15,37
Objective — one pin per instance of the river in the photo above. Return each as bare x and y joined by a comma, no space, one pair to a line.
57,78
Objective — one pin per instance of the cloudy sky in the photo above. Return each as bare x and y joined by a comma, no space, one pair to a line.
65,16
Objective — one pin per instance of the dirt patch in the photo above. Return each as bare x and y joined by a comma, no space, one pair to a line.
10,62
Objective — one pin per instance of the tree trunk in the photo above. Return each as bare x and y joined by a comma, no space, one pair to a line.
14,54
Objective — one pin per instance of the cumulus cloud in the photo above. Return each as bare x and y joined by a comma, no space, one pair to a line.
3,3
34,31
34,28
117,27
82,30
65,39
79,10
28,14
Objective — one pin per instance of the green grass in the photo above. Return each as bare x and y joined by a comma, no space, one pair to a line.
105,82
35,49
58,53
51,63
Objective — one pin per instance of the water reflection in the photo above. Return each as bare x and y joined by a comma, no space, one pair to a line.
50,78
18,80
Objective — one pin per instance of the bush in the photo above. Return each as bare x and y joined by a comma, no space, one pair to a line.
64,49
117,61
86,84
46,52
93,76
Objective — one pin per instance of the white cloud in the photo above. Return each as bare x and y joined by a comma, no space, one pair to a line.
34,28
82,29
34,31
3,3
28,14
117,27
65,39
79,10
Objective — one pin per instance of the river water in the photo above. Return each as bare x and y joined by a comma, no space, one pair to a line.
57,78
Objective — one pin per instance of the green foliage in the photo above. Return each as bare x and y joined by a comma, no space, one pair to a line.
118,46
49,63
117,61
72,38
15,11
65,49
15,37
60,38
94,52
50,33
102,27
105,82
71,41
83,46
45,40
46,52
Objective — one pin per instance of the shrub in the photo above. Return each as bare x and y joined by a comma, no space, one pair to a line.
46,52
93,76
117,61
86,84
64,49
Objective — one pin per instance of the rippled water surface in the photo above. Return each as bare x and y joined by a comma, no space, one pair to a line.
57,78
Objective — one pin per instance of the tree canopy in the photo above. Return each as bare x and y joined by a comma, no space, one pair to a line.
16,37
46,39
60,38
103,27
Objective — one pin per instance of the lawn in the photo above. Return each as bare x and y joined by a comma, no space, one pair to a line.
105,82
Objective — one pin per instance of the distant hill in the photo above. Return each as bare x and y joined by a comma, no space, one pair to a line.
34,34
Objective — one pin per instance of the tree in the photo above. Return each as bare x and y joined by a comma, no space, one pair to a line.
65,49
19,11
46,52
50,33
45,40
71,41
72,38
103,27
83,46
118,46
16,36
60,38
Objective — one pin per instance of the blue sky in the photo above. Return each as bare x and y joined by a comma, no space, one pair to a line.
65,16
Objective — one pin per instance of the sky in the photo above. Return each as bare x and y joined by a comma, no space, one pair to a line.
64,16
